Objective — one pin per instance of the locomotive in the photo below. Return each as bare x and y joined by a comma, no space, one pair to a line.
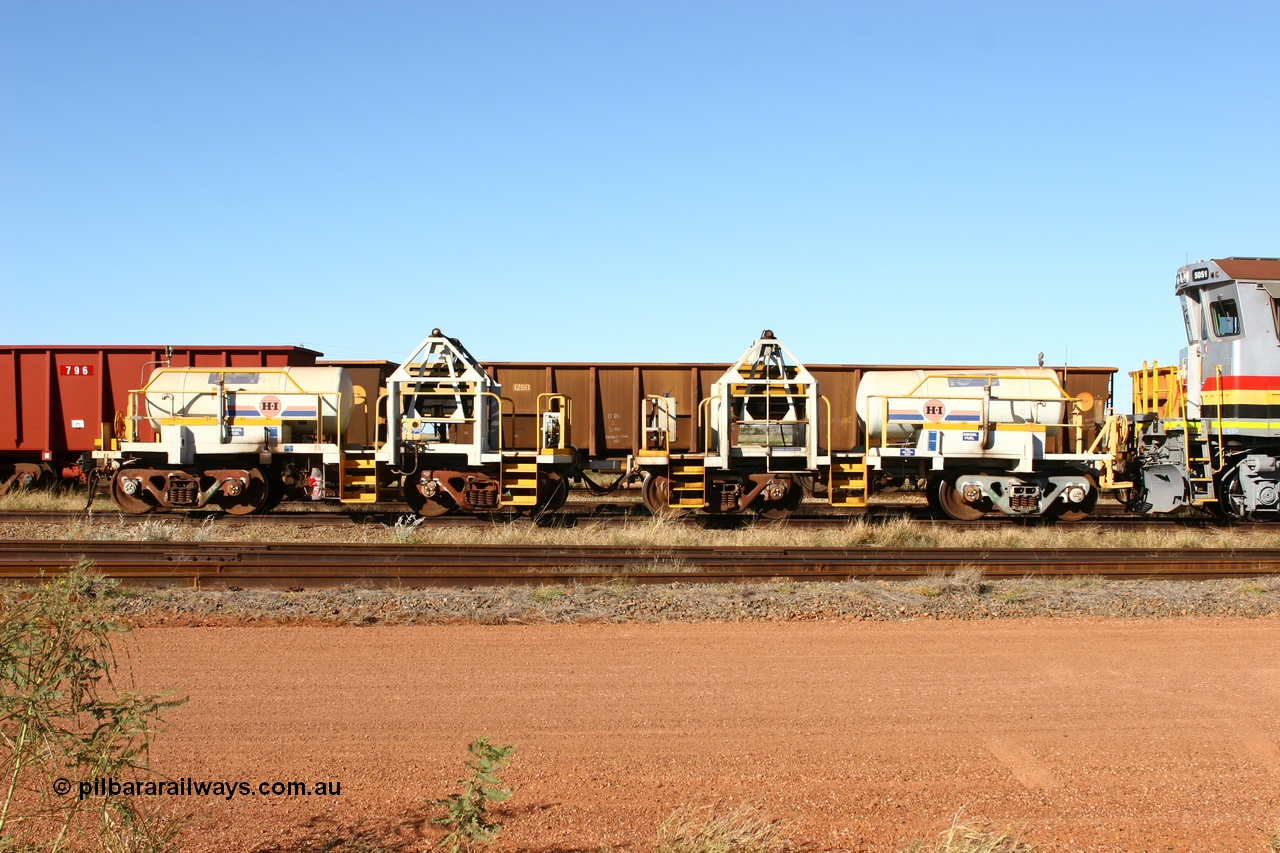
1206,432
445,433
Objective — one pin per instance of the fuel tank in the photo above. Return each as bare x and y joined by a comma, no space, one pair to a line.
903,401
258,407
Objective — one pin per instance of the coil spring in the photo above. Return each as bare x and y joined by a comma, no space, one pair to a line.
181,492
1024,497
482,497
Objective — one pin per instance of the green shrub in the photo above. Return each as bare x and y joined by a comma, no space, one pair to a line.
543,594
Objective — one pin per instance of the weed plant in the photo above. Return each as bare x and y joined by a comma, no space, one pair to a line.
66,717
466,818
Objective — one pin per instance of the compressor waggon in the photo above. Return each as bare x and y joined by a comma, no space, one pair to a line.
448,425
762,438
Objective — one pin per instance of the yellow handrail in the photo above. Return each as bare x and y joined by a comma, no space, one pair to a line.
565,410
827,403
501,446
1221,458
135,408
1076,422
705,423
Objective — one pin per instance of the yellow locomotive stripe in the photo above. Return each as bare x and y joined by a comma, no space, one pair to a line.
1239,398
1212,425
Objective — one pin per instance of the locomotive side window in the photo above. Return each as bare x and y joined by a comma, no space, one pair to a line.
1194,317
1275,314
1226,318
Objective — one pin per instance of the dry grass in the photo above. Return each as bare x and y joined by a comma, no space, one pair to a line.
52,500
1272,836
962,838
964,581
895,533
648,533
1013,592
707,829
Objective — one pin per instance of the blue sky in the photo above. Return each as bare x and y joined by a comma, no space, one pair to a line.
951,182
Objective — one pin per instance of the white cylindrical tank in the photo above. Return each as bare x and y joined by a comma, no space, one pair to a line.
296,396
904,401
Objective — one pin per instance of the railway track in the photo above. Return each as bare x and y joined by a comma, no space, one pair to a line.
297,565
607,516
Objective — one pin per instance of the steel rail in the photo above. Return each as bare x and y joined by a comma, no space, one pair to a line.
327,565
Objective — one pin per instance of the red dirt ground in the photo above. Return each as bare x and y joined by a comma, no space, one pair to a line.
1091,735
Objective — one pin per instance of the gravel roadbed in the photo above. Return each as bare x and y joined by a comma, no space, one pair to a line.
964,596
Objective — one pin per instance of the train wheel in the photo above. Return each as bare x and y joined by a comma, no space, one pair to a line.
780,509
130,504
429,507
656,493
253,498
1231,502
931,496
950,502
553,488
1081,511
25,475
275,489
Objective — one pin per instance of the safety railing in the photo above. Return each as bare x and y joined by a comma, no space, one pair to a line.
1221,463
553,431
456,418
763,428
1159,391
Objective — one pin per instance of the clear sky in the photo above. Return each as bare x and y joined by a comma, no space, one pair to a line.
918,182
